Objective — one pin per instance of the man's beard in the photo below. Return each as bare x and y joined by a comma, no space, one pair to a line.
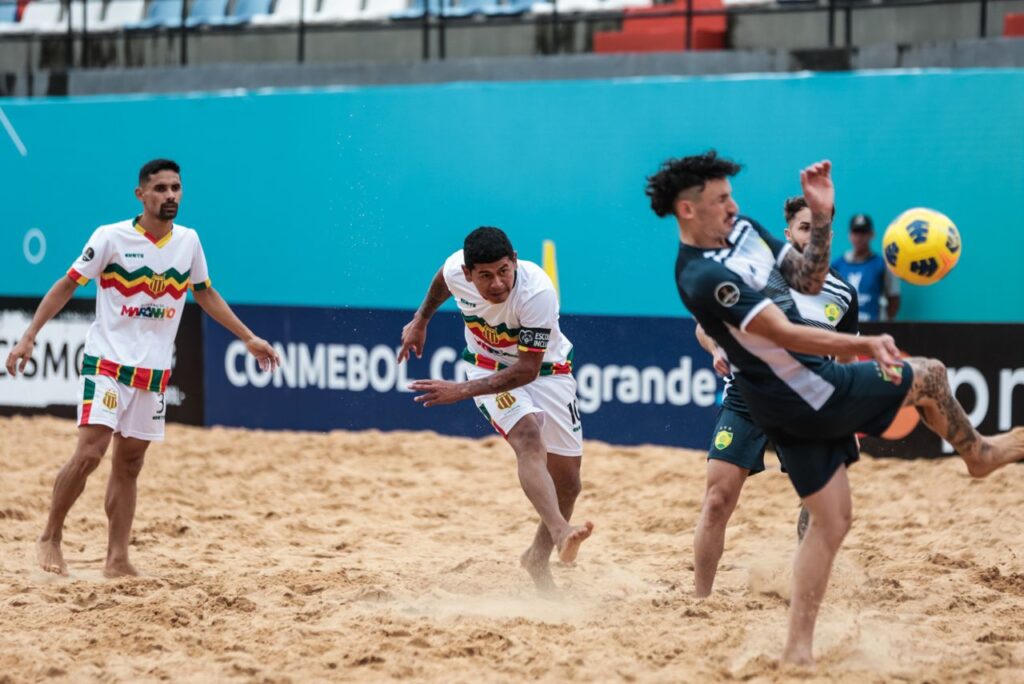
168,211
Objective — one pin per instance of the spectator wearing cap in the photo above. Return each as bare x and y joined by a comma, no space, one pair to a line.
866,271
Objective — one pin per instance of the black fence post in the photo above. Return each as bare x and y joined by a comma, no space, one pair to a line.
426,30
69,43
831,23
983,28
302,31
184,32
85,34
556,42
440,29
848,23
689,25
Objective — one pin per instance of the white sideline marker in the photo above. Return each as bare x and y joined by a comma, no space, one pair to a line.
13,133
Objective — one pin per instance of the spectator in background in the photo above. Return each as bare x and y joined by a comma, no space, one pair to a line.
866,271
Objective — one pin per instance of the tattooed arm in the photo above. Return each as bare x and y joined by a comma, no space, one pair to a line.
805,272
414,334
438,392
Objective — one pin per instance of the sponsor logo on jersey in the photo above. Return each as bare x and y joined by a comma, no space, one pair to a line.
149,311
505,401
723,439
890,373
88,254
110,399
468,303
832,312
727,294
134,255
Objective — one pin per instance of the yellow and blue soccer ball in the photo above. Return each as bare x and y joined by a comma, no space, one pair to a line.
921,246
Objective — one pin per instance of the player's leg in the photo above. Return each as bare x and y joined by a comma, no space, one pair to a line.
724,484
565,472
830,514
931,394
98,407
128,457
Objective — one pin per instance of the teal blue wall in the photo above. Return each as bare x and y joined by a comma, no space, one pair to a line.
354,196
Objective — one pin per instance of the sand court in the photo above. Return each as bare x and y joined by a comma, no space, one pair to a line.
367,556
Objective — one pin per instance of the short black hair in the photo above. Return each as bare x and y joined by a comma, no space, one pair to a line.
156,166
683,173
485,245
792,206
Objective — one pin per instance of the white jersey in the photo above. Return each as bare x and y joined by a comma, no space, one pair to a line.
526,321
139,299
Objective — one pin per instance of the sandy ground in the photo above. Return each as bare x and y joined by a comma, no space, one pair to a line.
274,557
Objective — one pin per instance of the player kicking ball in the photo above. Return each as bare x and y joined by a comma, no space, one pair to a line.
735,278
144,266
521,380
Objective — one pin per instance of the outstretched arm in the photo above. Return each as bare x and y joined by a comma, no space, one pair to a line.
55,300
437,392
720,360
805,272
214,305
773,325
414,334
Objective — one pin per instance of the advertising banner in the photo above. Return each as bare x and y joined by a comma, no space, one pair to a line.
50,381
641,380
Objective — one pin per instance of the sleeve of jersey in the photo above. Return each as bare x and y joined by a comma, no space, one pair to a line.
723,294
90,263
779,247
537,319
199,276
452,268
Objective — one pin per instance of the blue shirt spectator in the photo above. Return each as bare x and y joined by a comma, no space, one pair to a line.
866,271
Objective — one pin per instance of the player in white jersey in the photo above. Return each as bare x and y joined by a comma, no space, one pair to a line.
738,444
143,268
521,380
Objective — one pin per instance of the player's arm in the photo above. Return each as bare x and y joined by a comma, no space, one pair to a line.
771,324
721,361
438,392
892,295
55,300
214,305
805,272
414,334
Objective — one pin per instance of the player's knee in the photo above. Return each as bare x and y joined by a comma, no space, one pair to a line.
526,440
836,526
87,458
569,487
718,505
130,465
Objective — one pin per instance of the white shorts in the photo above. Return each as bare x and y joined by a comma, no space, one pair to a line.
551,397
130,411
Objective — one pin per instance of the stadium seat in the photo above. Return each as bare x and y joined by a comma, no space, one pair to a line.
119,14
416,9
1013,25
509,8
467,8
381,9
40,16
664,34
161,14
88,13
332,11
245,11
285,12
8,16
207,13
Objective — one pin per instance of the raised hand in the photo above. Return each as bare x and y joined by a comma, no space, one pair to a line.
816,181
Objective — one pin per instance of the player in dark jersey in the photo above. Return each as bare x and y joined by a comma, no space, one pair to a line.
738,444
735,279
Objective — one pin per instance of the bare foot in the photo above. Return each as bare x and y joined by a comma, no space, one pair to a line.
119,568
798,657
540,570
569,544
997,451
50,557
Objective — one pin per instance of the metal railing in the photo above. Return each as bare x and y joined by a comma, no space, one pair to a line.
438,23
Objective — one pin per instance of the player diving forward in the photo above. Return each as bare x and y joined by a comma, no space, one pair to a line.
734,277
521,380
738,444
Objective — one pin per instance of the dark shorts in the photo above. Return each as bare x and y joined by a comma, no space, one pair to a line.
814,445
738,440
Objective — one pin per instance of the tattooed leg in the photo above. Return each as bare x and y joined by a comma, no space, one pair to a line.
933,398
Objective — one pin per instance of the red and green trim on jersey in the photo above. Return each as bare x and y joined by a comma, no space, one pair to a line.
159,242
149,379
494,335
546,368
77,277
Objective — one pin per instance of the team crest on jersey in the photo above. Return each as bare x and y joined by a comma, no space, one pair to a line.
832,312
723,439
110,400
158,284
727,294
88,254
505,401
889,373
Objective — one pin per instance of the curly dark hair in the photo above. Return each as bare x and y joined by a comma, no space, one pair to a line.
676,175
792,206
151,168
485,245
